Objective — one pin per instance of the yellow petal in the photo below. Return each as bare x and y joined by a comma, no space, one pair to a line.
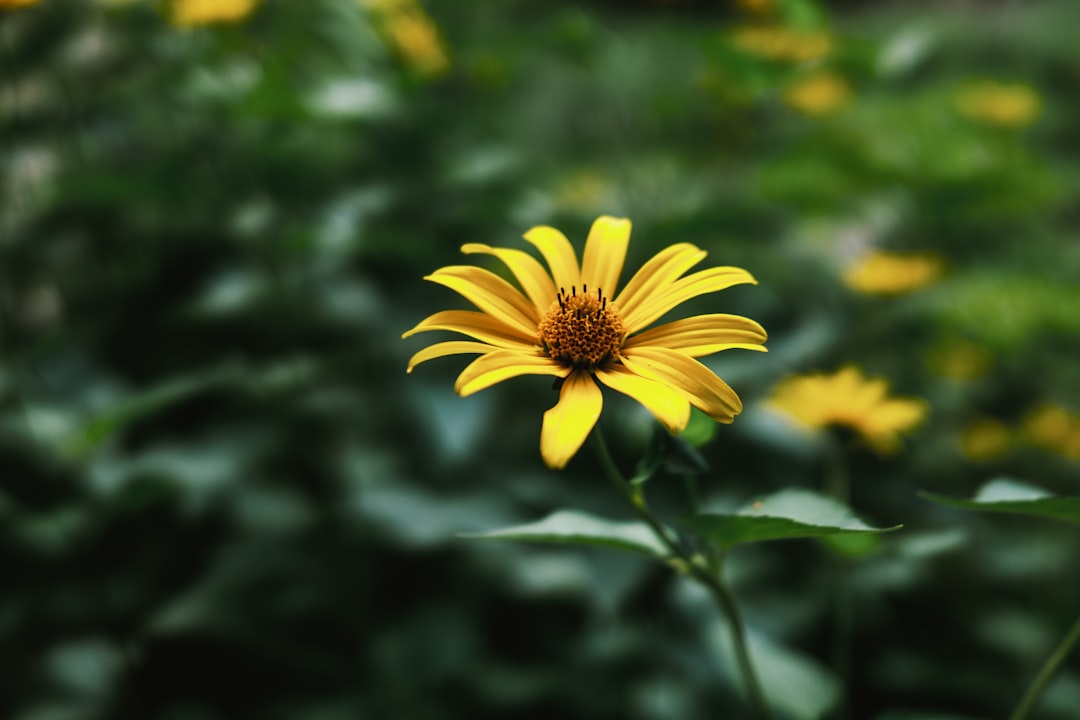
661,270
483,327
699,384
490,293
700,283
704,335
605,252
571,420
669,406
559,254
534,280
453,347
499,365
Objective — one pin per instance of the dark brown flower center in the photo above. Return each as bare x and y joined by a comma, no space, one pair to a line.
581,330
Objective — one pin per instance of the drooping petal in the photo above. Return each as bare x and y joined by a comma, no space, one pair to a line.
605,253
704,335
700,283
702,387
559,254
571,420
490,293
669,406
499,365
452,347
483,327
660,271
535,281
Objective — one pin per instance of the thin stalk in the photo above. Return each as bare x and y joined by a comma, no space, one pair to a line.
838,486
697,567
1039,683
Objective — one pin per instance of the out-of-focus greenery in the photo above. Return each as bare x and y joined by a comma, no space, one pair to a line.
222,497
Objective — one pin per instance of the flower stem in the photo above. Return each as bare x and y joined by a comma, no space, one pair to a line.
697,567
1039,683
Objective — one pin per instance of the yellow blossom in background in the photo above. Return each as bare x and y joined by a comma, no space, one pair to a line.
188,13
16,3
847,399
411,33
571,321
884,273
585,190
780,43
1054,428
960,360
819,94
985,439
1012,106
757,7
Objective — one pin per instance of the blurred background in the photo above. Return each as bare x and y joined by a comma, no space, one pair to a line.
222,497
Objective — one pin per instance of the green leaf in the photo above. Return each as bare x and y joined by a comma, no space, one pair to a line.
787,514
1010,496
573,527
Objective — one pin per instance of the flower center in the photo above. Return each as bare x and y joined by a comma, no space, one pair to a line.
581,330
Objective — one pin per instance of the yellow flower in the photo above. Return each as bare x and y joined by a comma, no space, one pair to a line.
16,3
757,7
848,399
1012,106
819,94
985,439
410,32
960,360
1055,429
780,43
883,273
571,323
187,13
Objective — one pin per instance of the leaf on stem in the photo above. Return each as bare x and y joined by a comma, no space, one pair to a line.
573,527
788,514
1010,496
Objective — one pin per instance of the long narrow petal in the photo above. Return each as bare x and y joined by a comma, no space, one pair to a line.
499,365
660,271
453,347
559,254
605,253
483,327
490,293
571,420
534,280
700,283
702,387
669,406
704,335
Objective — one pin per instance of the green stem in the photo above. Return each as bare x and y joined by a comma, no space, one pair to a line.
1039,683
838,486
697,567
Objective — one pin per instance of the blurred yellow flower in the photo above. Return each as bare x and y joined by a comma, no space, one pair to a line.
985,439
819,94
411,33
1054,428
847,399
757,7
960,360
884,273
188,13
16,3
780,43
1012,106
570,323
584,190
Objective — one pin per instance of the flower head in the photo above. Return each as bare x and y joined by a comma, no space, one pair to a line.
187,13
884,273
573,322
847,399
1001,104
783,44
410,32
818,95
16,3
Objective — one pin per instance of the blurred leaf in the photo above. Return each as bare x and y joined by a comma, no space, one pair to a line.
788,514
573,527
1010,496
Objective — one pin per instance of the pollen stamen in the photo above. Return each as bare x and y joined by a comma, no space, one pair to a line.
581,330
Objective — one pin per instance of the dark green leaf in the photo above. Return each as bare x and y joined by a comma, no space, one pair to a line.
1010,496
572,527
787,514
